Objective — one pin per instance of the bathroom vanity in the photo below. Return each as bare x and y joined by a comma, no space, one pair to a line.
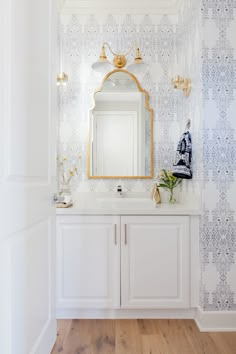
122,258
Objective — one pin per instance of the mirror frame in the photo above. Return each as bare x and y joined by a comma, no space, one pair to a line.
147,97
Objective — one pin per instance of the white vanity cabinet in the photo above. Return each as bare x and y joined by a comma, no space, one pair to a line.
123,262
88,262
155,262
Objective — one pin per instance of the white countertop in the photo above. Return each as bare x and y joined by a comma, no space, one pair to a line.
91,203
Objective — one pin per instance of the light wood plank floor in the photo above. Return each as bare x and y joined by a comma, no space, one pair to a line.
139,337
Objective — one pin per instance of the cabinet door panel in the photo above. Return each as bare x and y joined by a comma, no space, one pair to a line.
155,262
89,262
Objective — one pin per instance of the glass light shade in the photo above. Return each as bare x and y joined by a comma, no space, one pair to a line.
137,66
102,66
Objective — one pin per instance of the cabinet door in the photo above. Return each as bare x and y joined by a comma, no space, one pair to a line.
88,262
154,262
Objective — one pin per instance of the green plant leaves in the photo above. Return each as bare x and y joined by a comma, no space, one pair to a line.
167,180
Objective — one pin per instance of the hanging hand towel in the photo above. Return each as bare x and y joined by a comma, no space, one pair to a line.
182,166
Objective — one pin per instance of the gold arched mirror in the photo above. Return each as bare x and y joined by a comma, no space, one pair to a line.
120,129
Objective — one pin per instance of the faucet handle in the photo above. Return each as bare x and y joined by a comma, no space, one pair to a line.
119,189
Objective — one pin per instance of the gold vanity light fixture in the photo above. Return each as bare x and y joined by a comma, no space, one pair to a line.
183,84
119,61
62,79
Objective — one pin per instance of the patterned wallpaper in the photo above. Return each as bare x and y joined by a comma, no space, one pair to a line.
218,227
159,37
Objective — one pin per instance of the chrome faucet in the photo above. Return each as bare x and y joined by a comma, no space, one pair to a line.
119,190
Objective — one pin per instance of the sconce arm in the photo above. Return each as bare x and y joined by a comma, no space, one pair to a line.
115,54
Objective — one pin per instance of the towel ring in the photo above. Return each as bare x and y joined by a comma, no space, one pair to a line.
188,125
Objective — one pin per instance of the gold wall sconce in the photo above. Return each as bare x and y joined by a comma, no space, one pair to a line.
119,61
62,79
184,84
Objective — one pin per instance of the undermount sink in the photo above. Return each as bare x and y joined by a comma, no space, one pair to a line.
134,202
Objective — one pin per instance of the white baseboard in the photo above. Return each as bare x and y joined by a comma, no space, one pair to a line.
216,321
207,321
124,314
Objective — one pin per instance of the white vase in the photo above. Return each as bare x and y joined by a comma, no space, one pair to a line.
65,189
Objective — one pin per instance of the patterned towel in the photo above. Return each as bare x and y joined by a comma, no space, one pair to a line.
182,165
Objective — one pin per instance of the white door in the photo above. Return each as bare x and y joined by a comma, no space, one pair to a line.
88,263
155,262
27,176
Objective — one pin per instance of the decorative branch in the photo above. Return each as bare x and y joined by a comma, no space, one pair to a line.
66,173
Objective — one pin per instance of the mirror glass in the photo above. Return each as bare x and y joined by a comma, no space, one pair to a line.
120,129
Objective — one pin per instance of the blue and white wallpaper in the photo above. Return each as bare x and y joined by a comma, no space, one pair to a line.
218,226
159,37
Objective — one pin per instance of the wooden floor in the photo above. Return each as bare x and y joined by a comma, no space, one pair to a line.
139,337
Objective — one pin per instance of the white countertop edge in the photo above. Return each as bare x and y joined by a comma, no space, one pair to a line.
172,210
